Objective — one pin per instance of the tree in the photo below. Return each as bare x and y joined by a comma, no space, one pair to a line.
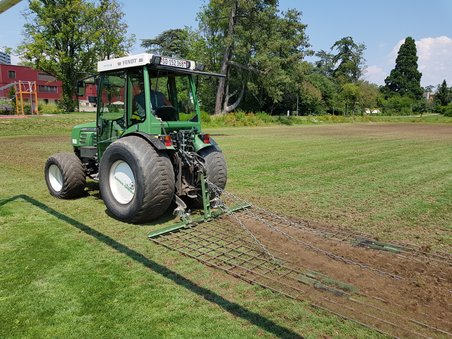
257,48
311,99
6,49
369,95
319,91
349,60
277,55
111,38
350,93
222,96
443,94
405,79
217,22
189,44
66,38
325,64
172,42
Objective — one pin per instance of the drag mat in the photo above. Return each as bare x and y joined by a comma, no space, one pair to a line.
396,290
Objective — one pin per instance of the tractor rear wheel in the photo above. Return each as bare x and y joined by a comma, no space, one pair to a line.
217,172
136,182
65,177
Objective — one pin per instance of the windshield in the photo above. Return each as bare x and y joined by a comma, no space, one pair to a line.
169,91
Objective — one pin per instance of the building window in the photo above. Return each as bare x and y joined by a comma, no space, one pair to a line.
12,74
47,89
46,77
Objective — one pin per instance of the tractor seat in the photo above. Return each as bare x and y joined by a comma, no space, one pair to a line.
167,113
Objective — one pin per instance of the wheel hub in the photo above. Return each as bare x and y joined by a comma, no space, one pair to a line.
55,177
122,182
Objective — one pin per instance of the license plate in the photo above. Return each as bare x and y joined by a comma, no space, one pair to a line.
174,62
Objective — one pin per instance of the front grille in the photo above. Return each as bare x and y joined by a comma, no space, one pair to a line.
83,138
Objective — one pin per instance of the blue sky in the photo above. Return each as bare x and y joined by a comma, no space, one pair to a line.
380,24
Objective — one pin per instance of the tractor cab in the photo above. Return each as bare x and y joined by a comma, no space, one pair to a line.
146,147
146,94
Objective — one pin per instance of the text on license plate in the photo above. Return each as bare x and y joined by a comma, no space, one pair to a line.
174,62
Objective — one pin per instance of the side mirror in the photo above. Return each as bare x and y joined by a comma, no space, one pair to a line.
80,88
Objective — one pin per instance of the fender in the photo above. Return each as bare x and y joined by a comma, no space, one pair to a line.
200,145
155,142
215,145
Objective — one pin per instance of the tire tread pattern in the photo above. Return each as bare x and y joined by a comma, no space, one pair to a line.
215,163
74,178
158,180
160,186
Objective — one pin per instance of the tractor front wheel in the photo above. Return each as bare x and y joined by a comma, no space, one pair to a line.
64,175
136,182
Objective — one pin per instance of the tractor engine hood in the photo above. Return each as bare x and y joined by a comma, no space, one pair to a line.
84,134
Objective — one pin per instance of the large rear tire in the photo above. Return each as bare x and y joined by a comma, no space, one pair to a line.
64,175
217,173
136,182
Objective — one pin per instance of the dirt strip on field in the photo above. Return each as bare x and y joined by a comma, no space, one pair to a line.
395,289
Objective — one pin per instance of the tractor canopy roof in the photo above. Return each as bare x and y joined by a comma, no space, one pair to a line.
157,62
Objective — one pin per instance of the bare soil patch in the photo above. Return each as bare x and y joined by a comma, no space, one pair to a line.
400,130
13,116
413,285
397,290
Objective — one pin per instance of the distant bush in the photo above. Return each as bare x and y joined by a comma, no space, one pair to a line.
447,110
444,110
9,107
285,120
264,117
205,117
398,105
49,109
6,107
240,119
27,109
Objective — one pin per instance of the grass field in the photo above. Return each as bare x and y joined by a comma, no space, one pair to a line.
70,270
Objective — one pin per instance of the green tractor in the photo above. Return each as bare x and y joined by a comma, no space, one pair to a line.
146,148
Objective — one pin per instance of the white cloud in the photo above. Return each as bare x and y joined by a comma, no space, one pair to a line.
375,74
434,61
15,59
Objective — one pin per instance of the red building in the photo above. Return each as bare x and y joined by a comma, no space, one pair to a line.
87,103
48,88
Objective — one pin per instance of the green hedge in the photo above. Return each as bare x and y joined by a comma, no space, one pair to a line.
240,119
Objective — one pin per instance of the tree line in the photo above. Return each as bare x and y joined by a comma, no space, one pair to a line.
261,50
66,38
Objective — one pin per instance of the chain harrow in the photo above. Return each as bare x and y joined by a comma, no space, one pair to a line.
231,242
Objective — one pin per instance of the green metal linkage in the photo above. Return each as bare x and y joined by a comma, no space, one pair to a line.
197,220
205,196
208,213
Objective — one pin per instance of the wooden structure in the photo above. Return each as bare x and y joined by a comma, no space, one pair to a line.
26,89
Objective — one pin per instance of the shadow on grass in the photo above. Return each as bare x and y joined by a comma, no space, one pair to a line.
92,190
229,306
